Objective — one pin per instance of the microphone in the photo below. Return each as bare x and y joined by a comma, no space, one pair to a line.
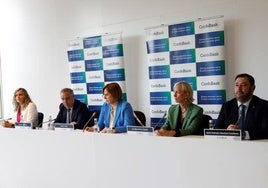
89,121
138,119
45,122
156,127
5,119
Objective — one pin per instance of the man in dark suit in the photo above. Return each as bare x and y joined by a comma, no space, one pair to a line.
72,110
255,125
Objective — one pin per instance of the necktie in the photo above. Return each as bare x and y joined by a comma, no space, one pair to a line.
241,122
68,118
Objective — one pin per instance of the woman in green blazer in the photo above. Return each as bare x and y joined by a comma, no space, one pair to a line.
185,117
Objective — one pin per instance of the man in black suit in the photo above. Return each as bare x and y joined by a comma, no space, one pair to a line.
72,110
255,124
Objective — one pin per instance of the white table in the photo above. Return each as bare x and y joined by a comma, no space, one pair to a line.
40,158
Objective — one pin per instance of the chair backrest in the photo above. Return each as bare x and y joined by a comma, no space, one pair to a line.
204,124
142,118
40,119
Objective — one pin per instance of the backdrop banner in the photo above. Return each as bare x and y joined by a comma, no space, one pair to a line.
93,62
193,52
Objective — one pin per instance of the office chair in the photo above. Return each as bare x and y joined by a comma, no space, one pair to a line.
40,119
140,118
204,124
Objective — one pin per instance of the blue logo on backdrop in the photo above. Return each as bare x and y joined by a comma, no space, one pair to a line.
78,77
156,46
112,51
159,98
82,98
114,75
94,65
159,122
182,56
94,107
157,72
211,97
92,42
76,55
209,39
95,88
181,29
210,68
190,80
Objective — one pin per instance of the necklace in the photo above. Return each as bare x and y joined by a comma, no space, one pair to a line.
183,111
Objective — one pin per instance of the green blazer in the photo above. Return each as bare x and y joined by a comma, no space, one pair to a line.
191,122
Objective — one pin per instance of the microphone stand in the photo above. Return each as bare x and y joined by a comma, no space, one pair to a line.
156,127
85,126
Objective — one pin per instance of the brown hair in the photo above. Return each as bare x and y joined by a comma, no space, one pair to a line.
115,90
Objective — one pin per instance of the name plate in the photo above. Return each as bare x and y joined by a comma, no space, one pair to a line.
23,125
222,134
137,130
64,126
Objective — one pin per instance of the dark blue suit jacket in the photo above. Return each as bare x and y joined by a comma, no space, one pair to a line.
80,114
256,122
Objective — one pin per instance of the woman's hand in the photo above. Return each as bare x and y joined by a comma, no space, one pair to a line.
163,132
89,129
7,124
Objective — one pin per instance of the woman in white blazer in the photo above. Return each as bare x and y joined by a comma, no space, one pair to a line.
24,109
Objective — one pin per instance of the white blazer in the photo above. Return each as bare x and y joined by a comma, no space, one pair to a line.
29,115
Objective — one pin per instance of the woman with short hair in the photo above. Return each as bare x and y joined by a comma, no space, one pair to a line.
185,117
116,114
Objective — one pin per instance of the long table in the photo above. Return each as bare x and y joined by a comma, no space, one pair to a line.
42,158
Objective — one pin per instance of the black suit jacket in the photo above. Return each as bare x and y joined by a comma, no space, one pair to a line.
80,114
256,122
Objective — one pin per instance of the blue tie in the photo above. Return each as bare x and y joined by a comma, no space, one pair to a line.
241,122
68,118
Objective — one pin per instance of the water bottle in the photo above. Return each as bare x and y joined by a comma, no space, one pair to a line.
95,127
50,125
211,125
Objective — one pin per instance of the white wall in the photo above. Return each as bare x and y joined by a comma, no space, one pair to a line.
33,39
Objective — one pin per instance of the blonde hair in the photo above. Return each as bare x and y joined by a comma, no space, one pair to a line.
186,88
27,98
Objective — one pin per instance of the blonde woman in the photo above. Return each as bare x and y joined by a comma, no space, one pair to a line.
185,117
25,110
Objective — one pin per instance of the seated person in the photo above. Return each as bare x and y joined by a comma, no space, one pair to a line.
25,109
72,110
255,123
183,118
116,114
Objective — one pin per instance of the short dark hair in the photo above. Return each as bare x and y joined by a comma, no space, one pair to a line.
250,78
115,90
67,90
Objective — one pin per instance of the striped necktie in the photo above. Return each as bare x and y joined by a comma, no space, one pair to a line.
241,122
